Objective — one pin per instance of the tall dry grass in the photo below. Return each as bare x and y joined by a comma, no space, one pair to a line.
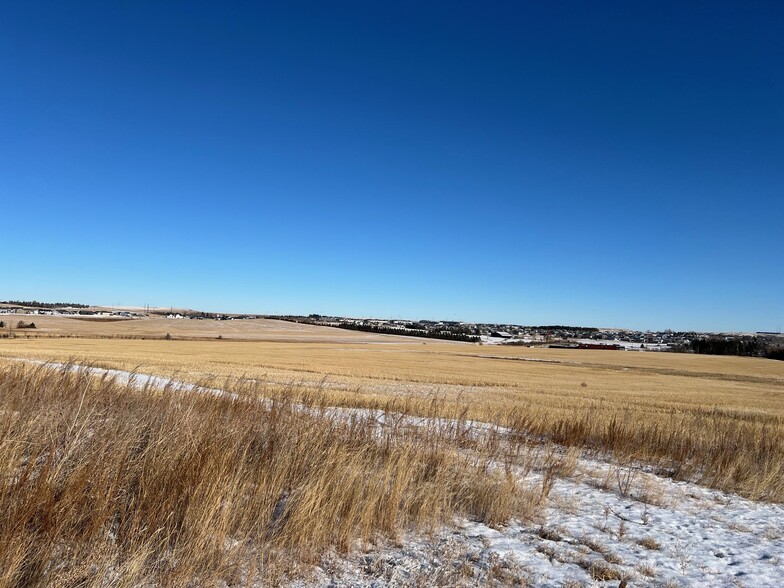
734,451
107,485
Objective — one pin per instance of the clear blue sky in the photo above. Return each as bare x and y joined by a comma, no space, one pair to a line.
608,164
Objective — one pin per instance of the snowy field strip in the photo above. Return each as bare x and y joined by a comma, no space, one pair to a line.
140,381
132,379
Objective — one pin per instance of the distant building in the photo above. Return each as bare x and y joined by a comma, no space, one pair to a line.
501,334
605,346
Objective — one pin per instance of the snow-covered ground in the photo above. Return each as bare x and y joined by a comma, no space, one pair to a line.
133,379
627,345
604,524
594,531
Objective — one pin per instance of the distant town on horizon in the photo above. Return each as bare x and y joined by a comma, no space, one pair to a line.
760,343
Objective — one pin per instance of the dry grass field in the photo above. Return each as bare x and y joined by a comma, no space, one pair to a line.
106,483
716,420
157,328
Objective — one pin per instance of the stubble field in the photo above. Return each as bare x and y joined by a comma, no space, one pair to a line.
559,467
718,418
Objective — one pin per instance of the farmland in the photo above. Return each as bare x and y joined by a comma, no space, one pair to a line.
631,430
247,330
545,391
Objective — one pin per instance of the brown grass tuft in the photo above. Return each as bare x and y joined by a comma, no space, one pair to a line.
649,543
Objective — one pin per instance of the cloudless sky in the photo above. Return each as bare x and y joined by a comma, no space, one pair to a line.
595,163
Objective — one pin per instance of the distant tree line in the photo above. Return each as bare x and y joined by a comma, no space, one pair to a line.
564,328
456,328
746,346
201,315
722,346
19,325
290,318
442,334
37,304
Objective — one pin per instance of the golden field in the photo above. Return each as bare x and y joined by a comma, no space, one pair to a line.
105,483
718,420
486,375
158,327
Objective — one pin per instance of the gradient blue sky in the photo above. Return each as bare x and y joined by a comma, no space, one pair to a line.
597,163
